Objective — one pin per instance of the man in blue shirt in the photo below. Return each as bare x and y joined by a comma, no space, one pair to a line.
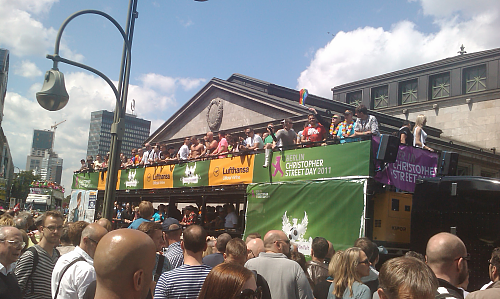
145,212
218,257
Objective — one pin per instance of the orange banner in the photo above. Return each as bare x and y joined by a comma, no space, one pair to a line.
101,184
229,171
158,177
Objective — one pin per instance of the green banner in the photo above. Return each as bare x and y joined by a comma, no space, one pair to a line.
132,178
338,160
191,174
333,209
87,181
332,161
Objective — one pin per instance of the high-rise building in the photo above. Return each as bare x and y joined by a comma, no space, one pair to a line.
6,164
136,131
42,159
4,76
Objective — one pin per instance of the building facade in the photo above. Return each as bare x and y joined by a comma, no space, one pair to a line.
4,76
136,132
6,163
458,95
240,101
42,159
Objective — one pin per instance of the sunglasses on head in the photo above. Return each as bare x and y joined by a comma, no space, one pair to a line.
250,294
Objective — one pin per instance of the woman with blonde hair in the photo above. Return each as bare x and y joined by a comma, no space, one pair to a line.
352,264
230,281
419,135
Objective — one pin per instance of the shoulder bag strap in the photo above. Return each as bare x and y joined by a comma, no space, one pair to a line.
35,263
64,271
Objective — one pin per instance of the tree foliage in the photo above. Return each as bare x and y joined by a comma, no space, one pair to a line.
21,185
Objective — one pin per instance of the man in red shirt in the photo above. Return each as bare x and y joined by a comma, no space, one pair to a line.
315,132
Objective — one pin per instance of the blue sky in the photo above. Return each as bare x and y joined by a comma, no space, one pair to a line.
180,45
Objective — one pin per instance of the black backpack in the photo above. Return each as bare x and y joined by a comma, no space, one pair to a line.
35,263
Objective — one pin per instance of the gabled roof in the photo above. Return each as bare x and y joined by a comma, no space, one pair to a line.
279,97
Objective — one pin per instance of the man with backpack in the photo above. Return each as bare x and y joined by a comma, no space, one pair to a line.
34,268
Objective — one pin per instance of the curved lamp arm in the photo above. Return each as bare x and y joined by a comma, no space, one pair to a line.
56,58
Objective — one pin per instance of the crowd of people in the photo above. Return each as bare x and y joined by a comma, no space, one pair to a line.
316,131
159,257
215,217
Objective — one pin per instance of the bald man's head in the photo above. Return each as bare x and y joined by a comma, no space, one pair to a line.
105,223
124,262
255,247
273,236
277,241
444,248
446,254
91,235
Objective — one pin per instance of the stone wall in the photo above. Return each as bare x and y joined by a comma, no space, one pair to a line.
476,124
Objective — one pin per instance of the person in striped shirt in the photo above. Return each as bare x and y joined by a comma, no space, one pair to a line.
172,232
34,276
185,282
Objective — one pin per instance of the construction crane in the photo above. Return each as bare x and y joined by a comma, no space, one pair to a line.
55,125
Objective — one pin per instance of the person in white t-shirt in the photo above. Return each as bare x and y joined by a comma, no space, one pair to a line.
231,218
183,153
145,156
252,142
154,154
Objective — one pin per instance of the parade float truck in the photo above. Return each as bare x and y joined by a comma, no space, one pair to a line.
338,191
332,191
44,196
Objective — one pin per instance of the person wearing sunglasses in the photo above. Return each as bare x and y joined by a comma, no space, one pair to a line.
11,243
230,281
447,256
352,265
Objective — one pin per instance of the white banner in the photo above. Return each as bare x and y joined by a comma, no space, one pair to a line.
82,205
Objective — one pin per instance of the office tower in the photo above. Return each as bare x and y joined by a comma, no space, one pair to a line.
136,131
6,164
42,159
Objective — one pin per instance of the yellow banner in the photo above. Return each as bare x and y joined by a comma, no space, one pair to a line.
158,177
101,184
229,171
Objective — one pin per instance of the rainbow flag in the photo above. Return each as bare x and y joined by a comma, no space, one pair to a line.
303,96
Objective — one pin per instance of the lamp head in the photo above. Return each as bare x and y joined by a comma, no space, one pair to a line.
53,95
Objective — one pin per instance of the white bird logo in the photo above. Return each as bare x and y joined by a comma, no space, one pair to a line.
294,230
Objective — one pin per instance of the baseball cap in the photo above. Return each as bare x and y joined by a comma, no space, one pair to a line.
170,224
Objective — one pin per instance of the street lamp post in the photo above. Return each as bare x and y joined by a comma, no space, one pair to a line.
54,96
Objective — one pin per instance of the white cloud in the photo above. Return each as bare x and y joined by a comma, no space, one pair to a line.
190,83
36,7
369,51
27,69
26,35
161,90
447,8
155,97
